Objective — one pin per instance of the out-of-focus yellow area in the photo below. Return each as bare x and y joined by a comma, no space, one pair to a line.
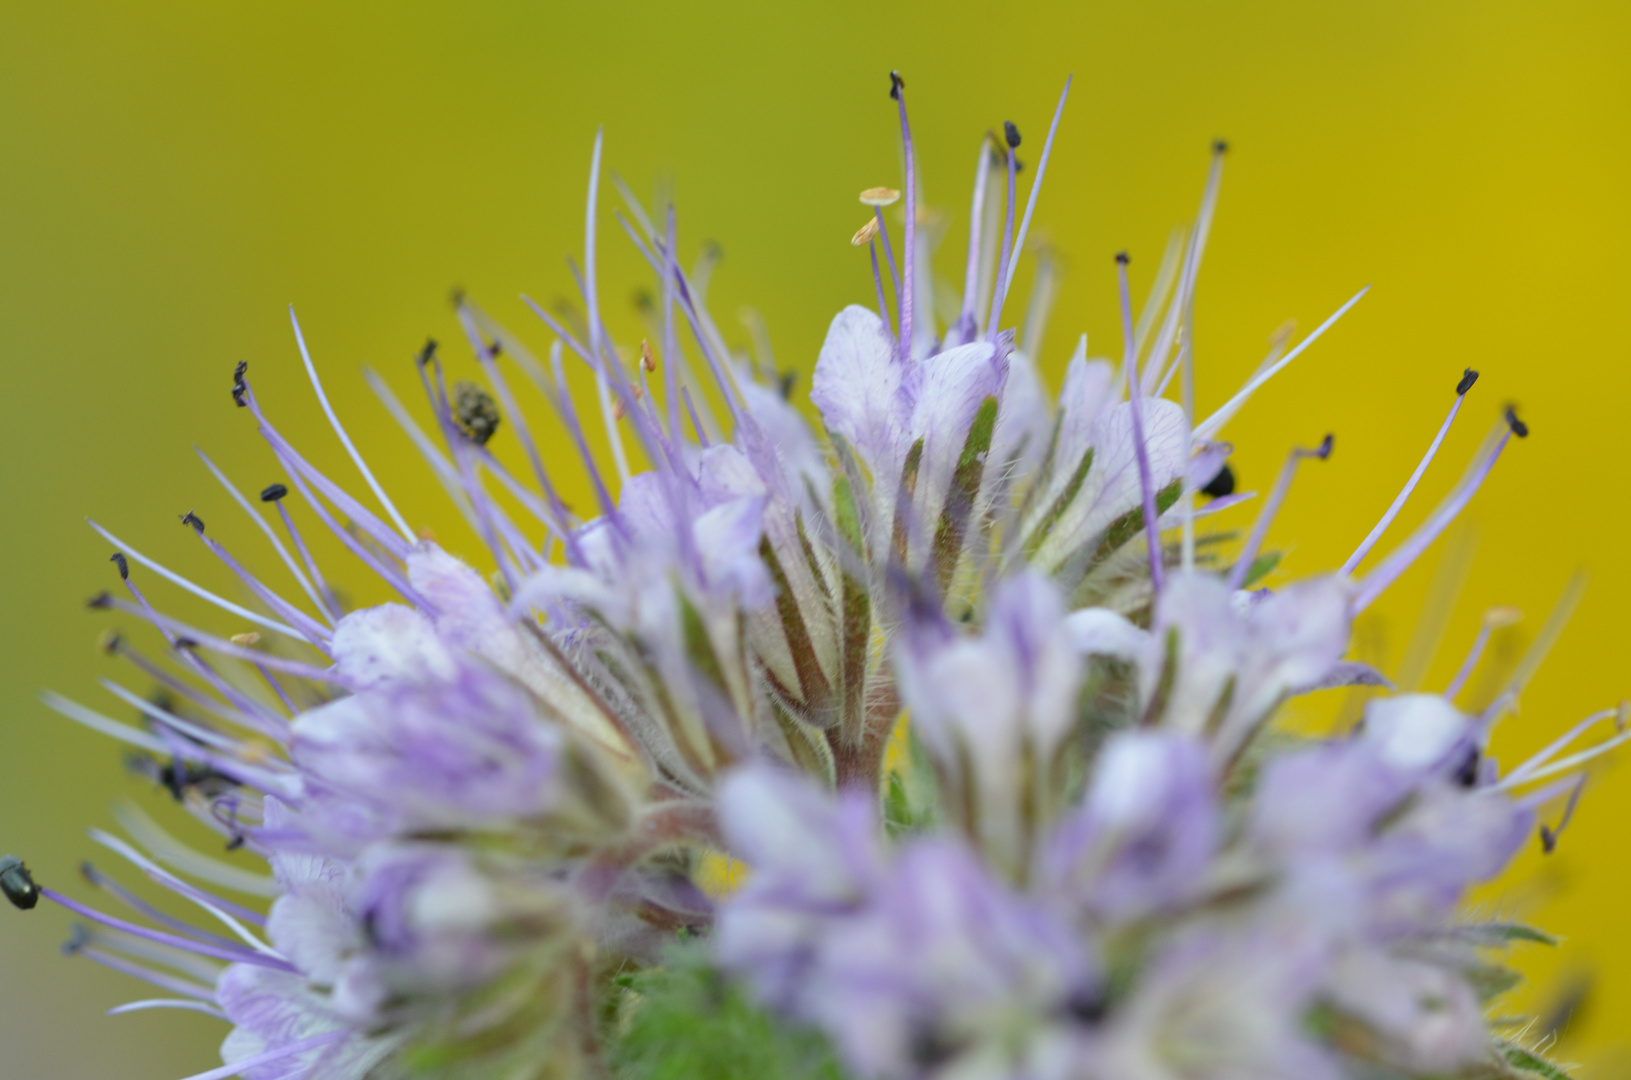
172,176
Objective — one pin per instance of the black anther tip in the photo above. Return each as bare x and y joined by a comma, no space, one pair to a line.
1519,428
1010,134
428,353
273,492
1326,443
100,600
896,85
190,518
1468,377
118,559
1220,146
239,386
1220,485
1123,258
17,883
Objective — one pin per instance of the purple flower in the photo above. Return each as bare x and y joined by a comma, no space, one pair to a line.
1145,833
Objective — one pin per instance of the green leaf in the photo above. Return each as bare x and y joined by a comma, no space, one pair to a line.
1262,566
685,1020
965,488
1498,934
1528,1061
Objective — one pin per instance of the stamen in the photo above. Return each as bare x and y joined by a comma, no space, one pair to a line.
165,1003
1208,428
1538,760
277,1053
345,440
999,288
569,416
269,494
97,880
1494,619
971,274
1271,507
171,983
1030,202
317,635
198,896
197,590
897,90
188,637
330,603
1152,525
592,302
877,280
1468,377
231,954
1408,552
881,228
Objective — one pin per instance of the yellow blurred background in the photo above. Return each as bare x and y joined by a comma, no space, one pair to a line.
172,175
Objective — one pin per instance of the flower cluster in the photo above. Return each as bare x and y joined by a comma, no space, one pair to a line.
964,682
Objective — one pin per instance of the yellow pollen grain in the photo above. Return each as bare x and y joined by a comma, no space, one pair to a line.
718,875
865,233
1498,617
246,640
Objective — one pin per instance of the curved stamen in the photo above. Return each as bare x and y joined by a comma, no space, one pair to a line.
345,440
167,1003
277,1053
1494,619
315,634
1152,525
1408,552
976,219
1208,428
1271,507
197,590
1030,202
270,534
1467,379
1562,742
230,954
906,284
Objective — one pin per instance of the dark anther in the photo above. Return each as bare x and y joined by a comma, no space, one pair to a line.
1010,134
1466,772
475,412
1468,377
273,492
110,642
785,383
428,353
79,936
1519,428
186,643
930,1049
455,296
236,842
177,777
17,883
896,85
100,600
118,559
1220,485
239,386
1324,450
495,347
1123,258
190,518
1220,146
1548,840
1087,1005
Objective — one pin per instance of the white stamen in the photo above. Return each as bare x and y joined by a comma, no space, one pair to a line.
1208,428
152,836
345,440
197,590
266,528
